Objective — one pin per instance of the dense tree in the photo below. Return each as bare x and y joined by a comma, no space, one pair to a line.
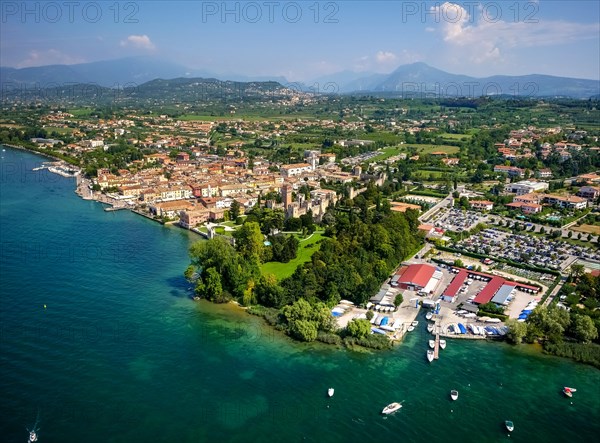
517,331
234,210
249,241
584,328
359,328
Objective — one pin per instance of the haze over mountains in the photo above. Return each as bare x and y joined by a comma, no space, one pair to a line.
416,79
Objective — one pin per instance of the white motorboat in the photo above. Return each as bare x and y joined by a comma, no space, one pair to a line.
509,425
391,408
415,323
429,315
454,394
410,328
32,437
430,327
430,355
443,344
330,392
432,344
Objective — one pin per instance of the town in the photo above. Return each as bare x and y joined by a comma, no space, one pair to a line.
505,216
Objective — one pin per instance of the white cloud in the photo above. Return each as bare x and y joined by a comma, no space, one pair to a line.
48,57
385,57
138,41
482,40
385,61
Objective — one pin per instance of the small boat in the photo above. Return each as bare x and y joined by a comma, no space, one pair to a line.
443,344
432,344
569,391
430,355
330,392
415,323
410,328
391,408
509,425
430,327
454,394
429,315
32,437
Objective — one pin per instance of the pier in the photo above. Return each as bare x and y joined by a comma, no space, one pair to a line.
436,349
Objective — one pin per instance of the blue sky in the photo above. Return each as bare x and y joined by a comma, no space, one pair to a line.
306,39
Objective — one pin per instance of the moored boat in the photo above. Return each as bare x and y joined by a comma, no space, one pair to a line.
415,323
510,426
430,327
429,315
430,355
330,392
454,394
432,344
443,344
392,407
410,328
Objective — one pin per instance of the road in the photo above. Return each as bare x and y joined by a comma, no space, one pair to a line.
446,202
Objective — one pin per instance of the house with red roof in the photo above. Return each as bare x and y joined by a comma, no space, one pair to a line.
416,277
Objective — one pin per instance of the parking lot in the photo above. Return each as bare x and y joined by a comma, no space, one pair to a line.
457,220
536,251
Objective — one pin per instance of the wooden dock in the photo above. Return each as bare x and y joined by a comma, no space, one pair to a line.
436,349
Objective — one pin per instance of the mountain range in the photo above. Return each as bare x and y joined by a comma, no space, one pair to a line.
412,80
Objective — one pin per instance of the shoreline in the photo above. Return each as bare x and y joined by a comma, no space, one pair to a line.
81,182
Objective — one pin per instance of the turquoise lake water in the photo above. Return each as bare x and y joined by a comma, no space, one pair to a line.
120,353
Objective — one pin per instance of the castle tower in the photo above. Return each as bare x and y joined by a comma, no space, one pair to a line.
286,196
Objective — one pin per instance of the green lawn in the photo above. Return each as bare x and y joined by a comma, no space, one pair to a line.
283,270
387,153
428,149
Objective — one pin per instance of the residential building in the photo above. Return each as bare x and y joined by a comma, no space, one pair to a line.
590,193
482,205
512,171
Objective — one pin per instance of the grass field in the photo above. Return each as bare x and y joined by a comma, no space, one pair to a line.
590,229
428,149
458,137
283,270
387,153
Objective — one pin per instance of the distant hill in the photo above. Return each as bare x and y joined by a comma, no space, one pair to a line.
413,80
113,73
158,92
422,80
